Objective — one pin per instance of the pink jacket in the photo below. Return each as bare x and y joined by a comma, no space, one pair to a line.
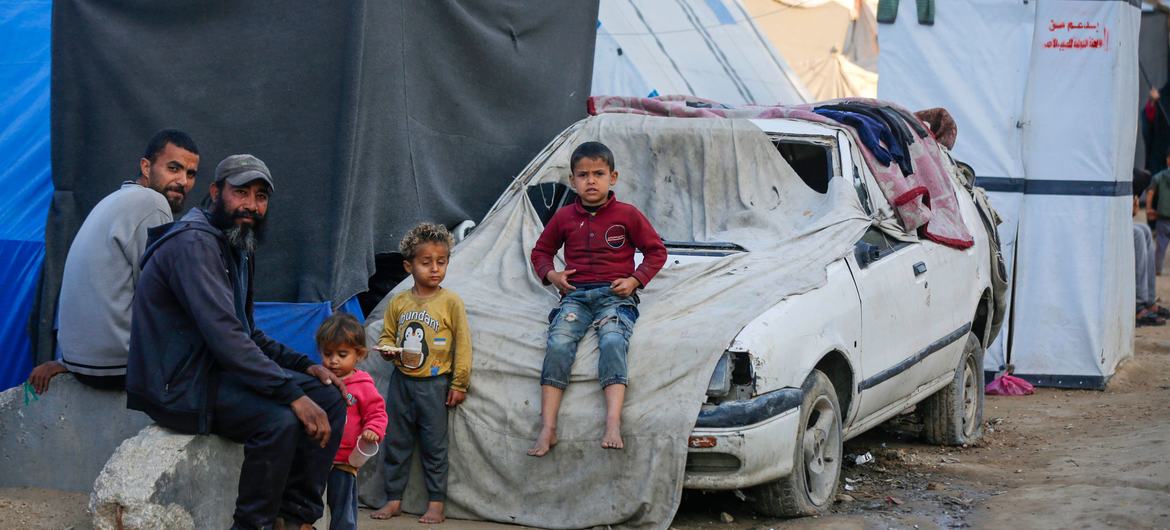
367,410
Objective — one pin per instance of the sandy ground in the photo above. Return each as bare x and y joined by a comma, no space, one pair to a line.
1057,459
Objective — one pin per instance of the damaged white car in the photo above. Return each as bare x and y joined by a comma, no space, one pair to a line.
901,321
795,310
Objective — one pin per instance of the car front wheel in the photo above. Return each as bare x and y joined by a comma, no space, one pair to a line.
811,486
954,415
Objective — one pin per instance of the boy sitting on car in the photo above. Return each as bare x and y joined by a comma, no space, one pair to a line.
598,287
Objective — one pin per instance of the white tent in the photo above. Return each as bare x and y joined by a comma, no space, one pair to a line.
1044,97
831,44
709,49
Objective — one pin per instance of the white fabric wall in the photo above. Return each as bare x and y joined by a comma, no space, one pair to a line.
970,62
708,49
1027,113
1075,280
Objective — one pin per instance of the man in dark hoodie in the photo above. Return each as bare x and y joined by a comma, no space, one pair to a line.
199,365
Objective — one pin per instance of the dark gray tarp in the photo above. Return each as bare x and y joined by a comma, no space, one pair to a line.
1152,58
372,115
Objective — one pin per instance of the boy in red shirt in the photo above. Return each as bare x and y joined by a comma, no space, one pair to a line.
598,287
342,342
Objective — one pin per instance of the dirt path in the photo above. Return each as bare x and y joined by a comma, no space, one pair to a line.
1057,459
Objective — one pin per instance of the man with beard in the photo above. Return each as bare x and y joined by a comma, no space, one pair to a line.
102,265
199,365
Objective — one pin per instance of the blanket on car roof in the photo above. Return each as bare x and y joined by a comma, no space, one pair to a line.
696,180
924,201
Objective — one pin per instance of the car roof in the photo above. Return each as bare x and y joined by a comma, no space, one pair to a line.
791,126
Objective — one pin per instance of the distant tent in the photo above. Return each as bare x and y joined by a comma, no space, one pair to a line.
708,49
1045,98
837,77
831,44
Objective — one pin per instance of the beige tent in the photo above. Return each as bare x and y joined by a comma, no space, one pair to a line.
831,44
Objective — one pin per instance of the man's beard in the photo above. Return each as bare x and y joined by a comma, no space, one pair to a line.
243,237
176,203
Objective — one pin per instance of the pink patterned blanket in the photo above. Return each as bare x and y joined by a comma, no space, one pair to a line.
924,201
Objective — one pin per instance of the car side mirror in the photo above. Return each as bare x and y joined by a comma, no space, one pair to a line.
866,253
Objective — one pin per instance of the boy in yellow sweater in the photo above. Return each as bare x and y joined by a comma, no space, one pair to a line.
426,336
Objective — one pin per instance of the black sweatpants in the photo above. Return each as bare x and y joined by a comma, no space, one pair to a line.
417,409
284,471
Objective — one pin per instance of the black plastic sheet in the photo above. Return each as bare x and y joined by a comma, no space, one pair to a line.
373,116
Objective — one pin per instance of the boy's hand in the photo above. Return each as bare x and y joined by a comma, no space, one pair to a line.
371,436
389,353
455,397
560,280
624,287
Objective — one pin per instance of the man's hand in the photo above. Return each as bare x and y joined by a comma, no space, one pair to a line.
455,397
560,280
326,377
313,418
40,376
624,287
371,436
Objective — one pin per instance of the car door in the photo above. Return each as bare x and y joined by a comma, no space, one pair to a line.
899,319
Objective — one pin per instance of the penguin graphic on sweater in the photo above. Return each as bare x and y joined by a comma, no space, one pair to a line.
414,339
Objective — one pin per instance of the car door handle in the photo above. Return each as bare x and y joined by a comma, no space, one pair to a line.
920,268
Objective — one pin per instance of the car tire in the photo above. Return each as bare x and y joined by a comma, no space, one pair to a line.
811,487
954,414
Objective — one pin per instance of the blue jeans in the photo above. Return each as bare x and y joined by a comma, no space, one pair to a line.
341,493
590,306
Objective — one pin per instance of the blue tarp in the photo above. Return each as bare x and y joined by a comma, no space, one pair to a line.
296,324
24,174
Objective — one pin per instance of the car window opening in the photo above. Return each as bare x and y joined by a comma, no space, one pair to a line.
811,161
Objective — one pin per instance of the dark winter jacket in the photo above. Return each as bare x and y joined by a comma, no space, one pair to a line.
193,325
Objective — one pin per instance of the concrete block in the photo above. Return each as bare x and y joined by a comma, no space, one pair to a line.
61,440
160,479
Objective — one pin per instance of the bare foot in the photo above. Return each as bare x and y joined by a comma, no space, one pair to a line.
434,513
613,437
544,442
390,509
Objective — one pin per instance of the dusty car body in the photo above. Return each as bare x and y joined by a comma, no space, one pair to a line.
900,321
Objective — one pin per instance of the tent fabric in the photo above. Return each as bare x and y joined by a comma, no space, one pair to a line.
295,325
1153,55
1059,179
711,49
931,66
1087,329
831,44
837,77
24,174
373,116
696,180
924,201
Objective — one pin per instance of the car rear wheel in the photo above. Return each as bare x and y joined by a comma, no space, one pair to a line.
812,485
954,415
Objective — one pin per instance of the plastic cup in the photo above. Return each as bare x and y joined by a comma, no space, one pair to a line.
362,452
412,357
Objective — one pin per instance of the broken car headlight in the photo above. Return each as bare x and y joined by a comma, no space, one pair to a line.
720,384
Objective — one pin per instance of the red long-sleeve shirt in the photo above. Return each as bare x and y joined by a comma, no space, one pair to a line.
600,245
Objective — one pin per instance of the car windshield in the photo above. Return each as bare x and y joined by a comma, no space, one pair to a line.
710,181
